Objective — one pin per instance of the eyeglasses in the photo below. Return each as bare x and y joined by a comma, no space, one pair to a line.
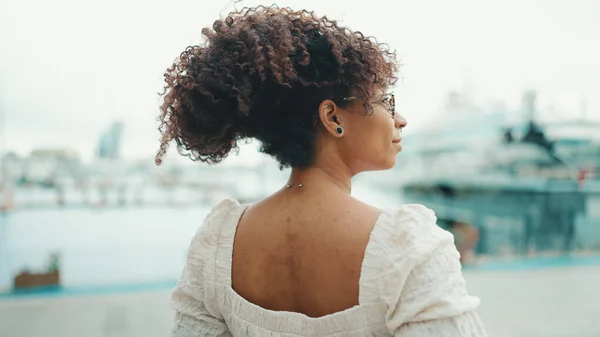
388,100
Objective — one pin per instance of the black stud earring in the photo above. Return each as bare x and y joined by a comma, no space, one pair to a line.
339,130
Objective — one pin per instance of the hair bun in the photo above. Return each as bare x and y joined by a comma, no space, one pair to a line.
262,73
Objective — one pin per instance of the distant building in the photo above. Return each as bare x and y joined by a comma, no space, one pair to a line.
45,165
109,145
54,153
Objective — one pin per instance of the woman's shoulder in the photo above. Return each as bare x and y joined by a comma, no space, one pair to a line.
404,237
410,229
200,271
419,273
219,214
406,243
217,226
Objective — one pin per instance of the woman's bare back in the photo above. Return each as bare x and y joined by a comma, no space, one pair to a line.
302,251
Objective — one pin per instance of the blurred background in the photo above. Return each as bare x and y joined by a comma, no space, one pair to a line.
503,142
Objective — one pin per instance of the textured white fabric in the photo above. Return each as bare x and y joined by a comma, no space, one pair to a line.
410,285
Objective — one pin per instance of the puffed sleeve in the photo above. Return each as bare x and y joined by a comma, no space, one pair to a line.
193,316
423,286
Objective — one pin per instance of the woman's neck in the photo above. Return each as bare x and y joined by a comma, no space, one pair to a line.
321,176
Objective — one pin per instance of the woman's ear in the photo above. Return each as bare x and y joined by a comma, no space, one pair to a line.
330,118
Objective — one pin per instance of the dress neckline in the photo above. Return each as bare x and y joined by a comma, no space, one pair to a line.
368,292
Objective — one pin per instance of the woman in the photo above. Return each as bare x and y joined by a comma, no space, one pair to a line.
309,260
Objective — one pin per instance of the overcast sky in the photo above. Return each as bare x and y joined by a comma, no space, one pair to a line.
69,68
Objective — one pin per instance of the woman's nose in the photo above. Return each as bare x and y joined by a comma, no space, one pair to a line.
400,121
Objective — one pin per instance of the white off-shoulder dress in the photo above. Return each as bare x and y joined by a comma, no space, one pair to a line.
411,285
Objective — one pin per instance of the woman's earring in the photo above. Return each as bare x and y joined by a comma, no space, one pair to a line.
339,129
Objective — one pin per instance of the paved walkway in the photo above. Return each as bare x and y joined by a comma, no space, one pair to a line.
557,302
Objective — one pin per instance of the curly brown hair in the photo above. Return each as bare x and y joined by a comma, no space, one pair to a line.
262,73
